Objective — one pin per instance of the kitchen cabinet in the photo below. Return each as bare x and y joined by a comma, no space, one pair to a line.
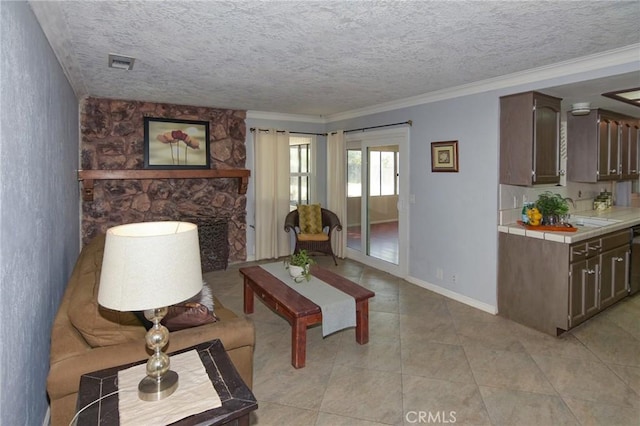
583,287
598,275
601,146
614,275
529,139
629,148
553,286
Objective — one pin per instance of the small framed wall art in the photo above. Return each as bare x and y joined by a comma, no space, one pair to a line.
176,144
444,156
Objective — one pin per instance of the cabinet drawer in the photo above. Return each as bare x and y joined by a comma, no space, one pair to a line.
615,239
579,252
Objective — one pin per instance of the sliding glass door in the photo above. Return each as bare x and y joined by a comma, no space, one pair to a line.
376,212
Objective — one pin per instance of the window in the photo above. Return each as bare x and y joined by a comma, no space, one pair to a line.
354,172
383,172
301,160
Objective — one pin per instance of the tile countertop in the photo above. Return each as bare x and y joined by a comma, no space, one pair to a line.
620,217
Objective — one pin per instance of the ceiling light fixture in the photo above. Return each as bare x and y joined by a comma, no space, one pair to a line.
581,108
121,62
630,96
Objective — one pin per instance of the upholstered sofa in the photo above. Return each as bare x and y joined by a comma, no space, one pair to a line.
86,337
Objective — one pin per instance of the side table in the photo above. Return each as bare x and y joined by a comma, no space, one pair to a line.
237,399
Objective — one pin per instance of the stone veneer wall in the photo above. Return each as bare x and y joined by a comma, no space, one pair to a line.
112,133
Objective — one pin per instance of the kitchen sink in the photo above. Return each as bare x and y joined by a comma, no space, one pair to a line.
591,222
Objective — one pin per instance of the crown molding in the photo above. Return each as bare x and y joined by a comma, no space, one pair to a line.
621,56
265,115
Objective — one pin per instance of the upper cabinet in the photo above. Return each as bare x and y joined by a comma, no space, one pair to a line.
601,146
630,148
529,139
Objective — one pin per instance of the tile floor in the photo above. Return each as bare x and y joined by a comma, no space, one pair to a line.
433,360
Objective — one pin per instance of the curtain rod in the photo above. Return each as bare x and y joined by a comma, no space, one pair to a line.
409,122
253,129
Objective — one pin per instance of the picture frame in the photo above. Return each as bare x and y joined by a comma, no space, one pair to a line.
176,144
444,156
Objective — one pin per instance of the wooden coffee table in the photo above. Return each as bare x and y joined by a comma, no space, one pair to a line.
299,311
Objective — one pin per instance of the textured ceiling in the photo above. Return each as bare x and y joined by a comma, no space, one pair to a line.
319,57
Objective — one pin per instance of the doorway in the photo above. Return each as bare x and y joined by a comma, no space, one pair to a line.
377,213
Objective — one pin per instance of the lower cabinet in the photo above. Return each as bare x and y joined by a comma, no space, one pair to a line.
614,275
553,286
583,291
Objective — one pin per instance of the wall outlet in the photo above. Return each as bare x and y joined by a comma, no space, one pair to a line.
454,278
412,198
439,273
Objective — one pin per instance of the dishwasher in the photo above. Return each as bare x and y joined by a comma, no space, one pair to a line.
634,281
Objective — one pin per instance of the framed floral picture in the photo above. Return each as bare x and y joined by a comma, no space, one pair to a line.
176,144
444,156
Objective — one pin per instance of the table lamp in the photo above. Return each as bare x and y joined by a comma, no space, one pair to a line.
147,267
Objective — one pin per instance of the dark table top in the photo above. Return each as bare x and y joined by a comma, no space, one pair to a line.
237,399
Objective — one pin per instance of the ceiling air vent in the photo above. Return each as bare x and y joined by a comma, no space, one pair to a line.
121,62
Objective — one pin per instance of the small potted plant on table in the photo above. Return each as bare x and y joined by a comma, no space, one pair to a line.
299,266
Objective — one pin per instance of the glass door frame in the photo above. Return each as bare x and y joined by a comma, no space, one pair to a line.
363,141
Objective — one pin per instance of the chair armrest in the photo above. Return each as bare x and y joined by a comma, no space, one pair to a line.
291,221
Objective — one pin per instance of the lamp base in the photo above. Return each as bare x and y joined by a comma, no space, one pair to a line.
150,389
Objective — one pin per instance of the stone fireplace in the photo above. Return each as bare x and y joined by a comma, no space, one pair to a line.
112,138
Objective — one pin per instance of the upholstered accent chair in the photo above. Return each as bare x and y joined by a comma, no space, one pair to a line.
317,242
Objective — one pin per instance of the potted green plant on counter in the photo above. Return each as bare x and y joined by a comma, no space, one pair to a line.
553,207
299,266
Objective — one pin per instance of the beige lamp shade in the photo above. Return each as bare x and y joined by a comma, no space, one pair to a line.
150,265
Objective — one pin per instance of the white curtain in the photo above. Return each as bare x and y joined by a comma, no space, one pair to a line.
272,193
337,188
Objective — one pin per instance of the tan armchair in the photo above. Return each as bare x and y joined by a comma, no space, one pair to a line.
314,243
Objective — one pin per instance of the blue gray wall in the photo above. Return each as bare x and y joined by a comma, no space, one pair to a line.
39,220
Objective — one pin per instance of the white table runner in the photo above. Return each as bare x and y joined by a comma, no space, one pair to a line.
194,395
338,308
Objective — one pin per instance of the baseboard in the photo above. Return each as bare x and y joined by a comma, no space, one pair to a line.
493,310
47,417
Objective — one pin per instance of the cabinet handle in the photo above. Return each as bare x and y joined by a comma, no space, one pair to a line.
594,248
579,253
590,271
562,172
619,259
613,171
633,171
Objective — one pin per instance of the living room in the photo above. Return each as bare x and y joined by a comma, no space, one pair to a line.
41,231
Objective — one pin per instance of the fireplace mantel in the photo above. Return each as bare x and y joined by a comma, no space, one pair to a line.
88,176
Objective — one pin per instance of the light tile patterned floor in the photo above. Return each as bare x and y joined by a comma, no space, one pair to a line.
433,357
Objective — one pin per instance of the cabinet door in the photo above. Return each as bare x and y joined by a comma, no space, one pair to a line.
546,139
625,133
608,161
614,275
583,291
629,138
634,150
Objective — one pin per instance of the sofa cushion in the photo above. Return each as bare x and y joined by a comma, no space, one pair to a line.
310,218
99,326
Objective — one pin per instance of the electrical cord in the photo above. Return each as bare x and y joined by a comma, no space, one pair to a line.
75,417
